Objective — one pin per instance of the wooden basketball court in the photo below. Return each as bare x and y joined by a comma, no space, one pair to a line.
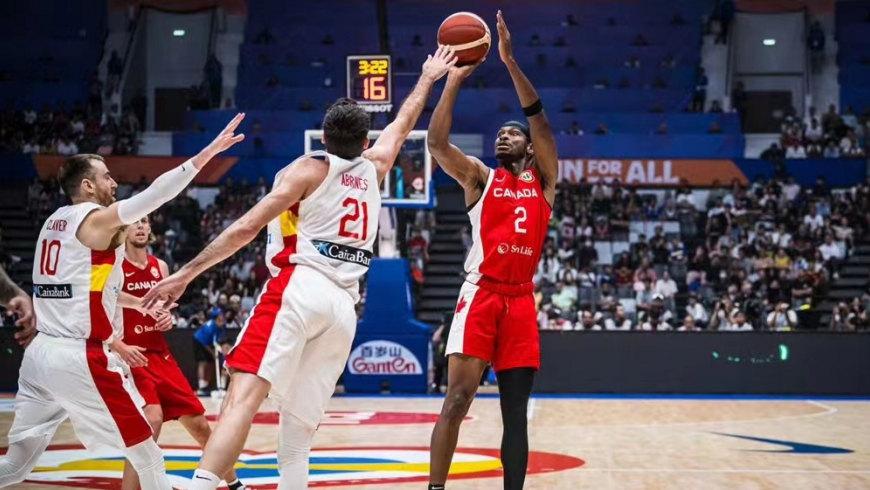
594,443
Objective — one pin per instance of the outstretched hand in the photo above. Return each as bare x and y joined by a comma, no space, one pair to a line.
227,138
437,65
505,49
166,292
462,72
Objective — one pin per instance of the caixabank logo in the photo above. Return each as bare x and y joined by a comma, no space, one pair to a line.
75,466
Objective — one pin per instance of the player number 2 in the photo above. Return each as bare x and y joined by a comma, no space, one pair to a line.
521,218
352,217
48,257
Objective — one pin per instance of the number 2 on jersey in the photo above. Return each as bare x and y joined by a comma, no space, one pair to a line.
48,257
352,217
521,218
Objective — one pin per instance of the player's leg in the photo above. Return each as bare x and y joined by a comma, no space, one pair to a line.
304,402
469,346
516,360
198,428
154,415
104,408
267,351
37,417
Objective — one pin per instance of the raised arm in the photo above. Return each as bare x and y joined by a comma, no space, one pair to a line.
384,152
99,228
546,157
296,183
470,172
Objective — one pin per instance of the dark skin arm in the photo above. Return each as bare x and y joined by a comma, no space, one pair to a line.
546,157
470,172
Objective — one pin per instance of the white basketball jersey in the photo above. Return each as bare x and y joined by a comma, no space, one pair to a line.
75,289
334,229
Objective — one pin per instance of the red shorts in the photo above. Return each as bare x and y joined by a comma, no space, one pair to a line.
162,383
496,323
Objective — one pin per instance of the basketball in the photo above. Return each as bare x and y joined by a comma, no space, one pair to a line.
468,34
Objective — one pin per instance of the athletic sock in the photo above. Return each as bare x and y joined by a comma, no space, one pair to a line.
236,485
204,480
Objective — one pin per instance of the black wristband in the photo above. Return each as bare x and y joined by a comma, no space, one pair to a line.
534,109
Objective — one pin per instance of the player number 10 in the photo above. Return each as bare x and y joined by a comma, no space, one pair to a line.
374,88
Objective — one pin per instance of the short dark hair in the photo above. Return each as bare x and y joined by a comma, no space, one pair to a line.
345,128
75,169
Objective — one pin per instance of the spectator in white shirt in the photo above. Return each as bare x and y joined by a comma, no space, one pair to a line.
655,324
619,321
814,220
689,325
29,116
548,267
588,321
67,147
696,310
790,189
30,148
667,289
738,325
830,250
568,274
795,152
782,318
814,130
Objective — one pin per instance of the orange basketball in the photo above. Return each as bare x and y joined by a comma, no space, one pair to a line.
468,34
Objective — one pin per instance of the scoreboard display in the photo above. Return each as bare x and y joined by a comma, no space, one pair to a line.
370,81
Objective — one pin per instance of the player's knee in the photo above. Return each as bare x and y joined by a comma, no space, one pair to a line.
145,456
294,444
11,472
456,405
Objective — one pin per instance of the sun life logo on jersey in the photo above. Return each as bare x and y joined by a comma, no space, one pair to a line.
74,466
527,177
503,248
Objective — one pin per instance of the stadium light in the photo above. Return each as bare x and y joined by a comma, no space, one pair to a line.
769,42
178,32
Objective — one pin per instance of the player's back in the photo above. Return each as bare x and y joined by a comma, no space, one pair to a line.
75,289
332,230
509,226
140,329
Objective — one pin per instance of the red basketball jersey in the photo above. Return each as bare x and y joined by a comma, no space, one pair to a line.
509,226
140,329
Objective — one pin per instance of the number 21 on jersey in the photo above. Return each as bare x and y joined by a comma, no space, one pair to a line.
349,220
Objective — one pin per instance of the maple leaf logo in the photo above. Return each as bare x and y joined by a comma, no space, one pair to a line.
462,304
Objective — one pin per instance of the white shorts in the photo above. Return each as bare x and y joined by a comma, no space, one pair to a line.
298,338
84,381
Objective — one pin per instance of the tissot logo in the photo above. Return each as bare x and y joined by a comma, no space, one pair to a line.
49,291
343,252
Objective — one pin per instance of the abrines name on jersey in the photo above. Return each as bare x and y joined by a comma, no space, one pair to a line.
354,182
517,194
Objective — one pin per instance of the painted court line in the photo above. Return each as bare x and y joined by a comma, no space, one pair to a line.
682,470
530,413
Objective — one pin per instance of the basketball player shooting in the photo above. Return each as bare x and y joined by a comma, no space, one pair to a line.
71,368
165,389
495,318
322,216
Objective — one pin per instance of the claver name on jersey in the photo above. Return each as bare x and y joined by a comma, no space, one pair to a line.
354,182
518,194
137,286
55,225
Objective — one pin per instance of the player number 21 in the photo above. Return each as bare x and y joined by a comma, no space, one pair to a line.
352,217
521,218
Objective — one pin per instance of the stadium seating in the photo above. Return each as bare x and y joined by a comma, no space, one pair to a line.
853,39
647,83
50,40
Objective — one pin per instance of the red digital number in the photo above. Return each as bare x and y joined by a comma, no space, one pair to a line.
352,217
48,257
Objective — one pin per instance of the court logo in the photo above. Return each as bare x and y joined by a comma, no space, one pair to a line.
353,418
74,466
527,177
383,357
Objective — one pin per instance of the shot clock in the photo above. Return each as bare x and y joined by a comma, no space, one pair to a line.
370,81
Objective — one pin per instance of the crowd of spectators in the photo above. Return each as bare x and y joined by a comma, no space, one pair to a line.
830,135
65,129
744,258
